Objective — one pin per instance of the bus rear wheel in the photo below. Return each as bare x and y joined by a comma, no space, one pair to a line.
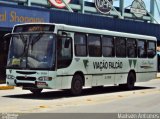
76,86
130,81
36,91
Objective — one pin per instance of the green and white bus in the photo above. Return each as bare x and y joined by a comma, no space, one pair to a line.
58,56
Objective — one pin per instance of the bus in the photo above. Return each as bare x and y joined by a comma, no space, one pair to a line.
58,56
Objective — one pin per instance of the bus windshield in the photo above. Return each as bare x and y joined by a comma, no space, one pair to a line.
32,51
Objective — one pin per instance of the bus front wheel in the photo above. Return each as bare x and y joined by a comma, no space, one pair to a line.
76,86
36,91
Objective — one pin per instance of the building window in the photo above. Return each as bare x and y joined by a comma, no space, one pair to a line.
120,47
108,46
131,48
151,49
80,44
142,49
94,46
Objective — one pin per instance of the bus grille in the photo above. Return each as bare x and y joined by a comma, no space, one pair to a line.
26,78
26,85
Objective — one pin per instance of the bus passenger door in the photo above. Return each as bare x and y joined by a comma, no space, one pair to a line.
64,59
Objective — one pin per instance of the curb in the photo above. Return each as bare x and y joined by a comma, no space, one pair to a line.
5,87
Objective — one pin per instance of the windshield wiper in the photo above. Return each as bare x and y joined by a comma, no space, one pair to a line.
31,41
35,39
24,42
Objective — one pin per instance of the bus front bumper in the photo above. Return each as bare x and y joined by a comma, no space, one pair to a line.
29,84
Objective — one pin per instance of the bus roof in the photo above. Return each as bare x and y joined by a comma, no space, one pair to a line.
94,31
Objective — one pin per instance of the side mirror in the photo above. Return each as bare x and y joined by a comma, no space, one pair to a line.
7,36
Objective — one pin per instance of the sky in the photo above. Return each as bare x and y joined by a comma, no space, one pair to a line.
129,2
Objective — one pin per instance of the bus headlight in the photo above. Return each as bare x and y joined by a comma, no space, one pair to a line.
10,77
44,78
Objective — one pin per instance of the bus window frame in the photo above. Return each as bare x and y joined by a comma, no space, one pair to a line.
148,41
113,47
86,44
144,49
117,38
57,57
136,48
98,35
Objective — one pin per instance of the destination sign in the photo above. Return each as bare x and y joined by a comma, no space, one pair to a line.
34,27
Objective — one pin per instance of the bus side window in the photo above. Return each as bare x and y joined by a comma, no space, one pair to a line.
64,52
151,50
80,44
142,49
120,47
108,46
94,46
131,48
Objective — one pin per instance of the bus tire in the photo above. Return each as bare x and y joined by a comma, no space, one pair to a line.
77,85
131,79
36,91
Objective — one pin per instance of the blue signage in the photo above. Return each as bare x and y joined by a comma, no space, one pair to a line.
11,16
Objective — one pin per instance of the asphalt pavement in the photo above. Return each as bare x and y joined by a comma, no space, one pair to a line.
107,100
